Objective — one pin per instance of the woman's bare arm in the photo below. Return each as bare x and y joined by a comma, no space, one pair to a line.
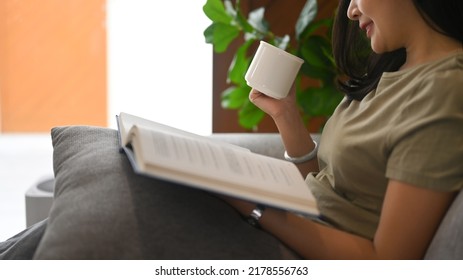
409,219
294,134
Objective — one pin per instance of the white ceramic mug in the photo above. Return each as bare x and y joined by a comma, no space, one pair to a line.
273,71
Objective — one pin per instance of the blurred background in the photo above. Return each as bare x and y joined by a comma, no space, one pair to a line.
69,62
81,62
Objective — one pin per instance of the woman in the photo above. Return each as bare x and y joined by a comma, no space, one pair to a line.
389,164
388,167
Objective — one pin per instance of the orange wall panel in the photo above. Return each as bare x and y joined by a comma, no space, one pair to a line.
52,64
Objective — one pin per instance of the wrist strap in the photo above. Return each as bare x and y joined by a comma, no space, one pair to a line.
256,214
303,158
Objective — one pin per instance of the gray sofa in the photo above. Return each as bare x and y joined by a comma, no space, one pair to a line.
81,146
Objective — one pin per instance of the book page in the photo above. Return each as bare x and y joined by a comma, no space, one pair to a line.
221,162
126,122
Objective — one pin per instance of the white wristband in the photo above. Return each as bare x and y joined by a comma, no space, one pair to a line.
303,158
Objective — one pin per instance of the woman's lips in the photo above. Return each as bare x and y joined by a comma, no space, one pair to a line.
367,27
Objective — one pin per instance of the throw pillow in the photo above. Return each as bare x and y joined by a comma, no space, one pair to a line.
103,210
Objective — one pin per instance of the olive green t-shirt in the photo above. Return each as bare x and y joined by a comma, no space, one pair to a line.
409,129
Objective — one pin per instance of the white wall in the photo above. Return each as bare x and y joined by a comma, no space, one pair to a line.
159,66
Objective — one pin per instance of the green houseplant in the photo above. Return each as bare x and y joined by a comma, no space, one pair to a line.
317,98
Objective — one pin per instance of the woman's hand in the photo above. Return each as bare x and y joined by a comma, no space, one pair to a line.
275,108
285,114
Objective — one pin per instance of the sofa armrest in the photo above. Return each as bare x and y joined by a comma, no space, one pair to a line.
447,242
268,144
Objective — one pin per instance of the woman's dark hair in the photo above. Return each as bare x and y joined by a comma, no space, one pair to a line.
361,68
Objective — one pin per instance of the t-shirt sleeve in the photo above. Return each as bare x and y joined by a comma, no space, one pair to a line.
426,139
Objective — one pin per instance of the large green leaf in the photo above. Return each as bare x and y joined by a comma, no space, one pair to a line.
221,35
307,15
256,19
333,101
250,116
311,101
317,53
320,73
241,20
230,9
215,11
319,101
315,26
282,42
240,64
209,33
235,97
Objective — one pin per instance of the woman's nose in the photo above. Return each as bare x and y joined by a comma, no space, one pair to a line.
353,12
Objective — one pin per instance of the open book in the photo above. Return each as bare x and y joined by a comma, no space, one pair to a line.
171,154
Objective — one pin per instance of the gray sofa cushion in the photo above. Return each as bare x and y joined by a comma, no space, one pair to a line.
269,144
102,210
447,244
